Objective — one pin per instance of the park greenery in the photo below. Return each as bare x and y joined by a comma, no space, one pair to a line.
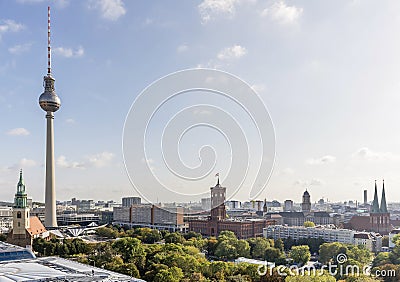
163,256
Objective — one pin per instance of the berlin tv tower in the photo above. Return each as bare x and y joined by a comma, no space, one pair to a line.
50,103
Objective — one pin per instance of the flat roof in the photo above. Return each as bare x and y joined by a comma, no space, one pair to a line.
56,269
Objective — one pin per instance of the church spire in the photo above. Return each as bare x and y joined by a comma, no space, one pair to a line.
217,175
375,204
20,199
383,208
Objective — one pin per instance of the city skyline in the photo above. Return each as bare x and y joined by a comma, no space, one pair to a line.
333,121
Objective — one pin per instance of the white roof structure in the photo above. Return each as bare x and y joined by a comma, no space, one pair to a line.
56,269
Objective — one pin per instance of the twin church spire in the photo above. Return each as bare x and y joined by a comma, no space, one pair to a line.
375,204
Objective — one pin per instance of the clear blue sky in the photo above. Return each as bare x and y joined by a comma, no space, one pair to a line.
327,71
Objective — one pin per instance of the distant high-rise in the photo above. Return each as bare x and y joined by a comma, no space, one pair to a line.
129,201
50,103
288,206
365,197
306,204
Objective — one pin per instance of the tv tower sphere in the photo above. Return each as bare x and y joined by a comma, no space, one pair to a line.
49,101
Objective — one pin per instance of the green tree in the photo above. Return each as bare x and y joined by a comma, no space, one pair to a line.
395,254
359,254
107,232
309,224
300,254
258,246
272,254
174,237
226,250
329,251
131,251
307,278
279,244
385,241
192,234
242,248
212,244
381,259
227,235
174,274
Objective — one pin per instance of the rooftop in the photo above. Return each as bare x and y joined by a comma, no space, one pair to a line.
56,269
12,252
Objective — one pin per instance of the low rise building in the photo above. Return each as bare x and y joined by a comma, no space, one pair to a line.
82,219
6,217
299,232
372,241
393,233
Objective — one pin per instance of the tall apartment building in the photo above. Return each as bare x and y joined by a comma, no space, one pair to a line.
171,215
147,215
129,201
140,214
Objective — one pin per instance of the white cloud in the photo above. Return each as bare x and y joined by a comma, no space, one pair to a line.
70,121
69,52
19,49
30,1
10,26
288,171
322,160
27,163
58,3
110,9
64,163
369,155
307,183
225,57
258,87
18,132
281,13
101,159
212,8
182,48
233,52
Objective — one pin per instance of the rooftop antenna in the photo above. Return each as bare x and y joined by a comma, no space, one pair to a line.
48,43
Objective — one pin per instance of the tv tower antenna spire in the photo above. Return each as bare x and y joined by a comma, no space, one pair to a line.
48,43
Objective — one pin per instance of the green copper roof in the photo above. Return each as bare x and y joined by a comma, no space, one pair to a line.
383,208
20,199
375,204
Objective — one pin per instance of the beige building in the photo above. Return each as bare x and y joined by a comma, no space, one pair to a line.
298,232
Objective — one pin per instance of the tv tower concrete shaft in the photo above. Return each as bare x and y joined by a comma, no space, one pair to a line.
50,191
